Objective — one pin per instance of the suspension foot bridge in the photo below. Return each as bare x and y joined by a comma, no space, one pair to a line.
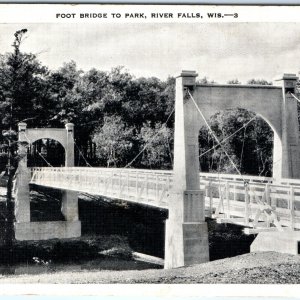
269,207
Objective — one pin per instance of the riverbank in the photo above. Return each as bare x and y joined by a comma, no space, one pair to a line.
258,268
143,227
112,231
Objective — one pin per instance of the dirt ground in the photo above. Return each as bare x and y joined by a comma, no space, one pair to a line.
260,268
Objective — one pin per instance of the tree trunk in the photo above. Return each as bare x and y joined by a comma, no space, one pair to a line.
9,220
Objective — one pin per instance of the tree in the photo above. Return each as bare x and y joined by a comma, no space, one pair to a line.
113,140
259,82
10,137
23,85
250,148
157,143
233,81
205,80
19,74
65,96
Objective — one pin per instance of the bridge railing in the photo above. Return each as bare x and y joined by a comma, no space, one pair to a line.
226,196
234,177
143,186
235,200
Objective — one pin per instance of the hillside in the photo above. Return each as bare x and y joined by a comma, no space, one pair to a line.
260,268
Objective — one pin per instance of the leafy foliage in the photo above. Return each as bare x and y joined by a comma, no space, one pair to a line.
159,140
113,141
233,81
117,115
23,88
250,148
259,82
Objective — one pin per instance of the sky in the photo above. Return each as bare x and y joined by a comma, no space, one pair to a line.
220,52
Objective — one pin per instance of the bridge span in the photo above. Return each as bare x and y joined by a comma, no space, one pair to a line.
227,197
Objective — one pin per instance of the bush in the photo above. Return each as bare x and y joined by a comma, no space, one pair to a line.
227,240
65,250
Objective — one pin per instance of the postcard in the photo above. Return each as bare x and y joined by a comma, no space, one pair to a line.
150,150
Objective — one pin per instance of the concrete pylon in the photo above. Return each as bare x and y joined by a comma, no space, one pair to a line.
290,164
69,206
22,196
24,228
70,158
186,240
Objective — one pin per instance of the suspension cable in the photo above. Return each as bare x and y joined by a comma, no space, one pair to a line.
242,152
294,97
80,153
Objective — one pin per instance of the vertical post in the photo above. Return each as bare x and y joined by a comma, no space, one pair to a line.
267,193
268,201
290,152
186,230
292,207
69,162
273,201
246,205
70,198
220,208
156,188
136,186
227,199
113,180
147,196
22,203
234,191
127,179
120,184
208,196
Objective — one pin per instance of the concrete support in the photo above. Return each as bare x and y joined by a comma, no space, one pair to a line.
69,206
277,157
282,242
26,230
22,197
69,198
47,230
290,163
70,145
186,230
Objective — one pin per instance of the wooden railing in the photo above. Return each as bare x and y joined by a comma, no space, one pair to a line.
250,201
142,186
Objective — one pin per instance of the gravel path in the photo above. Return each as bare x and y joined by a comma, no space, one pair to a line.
265,267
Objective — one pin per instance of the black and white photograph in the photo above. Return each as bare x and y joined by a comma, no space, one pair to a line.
149,144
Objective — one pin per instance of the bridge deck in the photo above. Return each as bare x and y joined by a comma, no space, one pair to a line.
226,196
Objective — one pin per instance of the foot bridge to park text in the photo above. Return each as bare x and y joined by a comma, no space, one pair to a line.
269,207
